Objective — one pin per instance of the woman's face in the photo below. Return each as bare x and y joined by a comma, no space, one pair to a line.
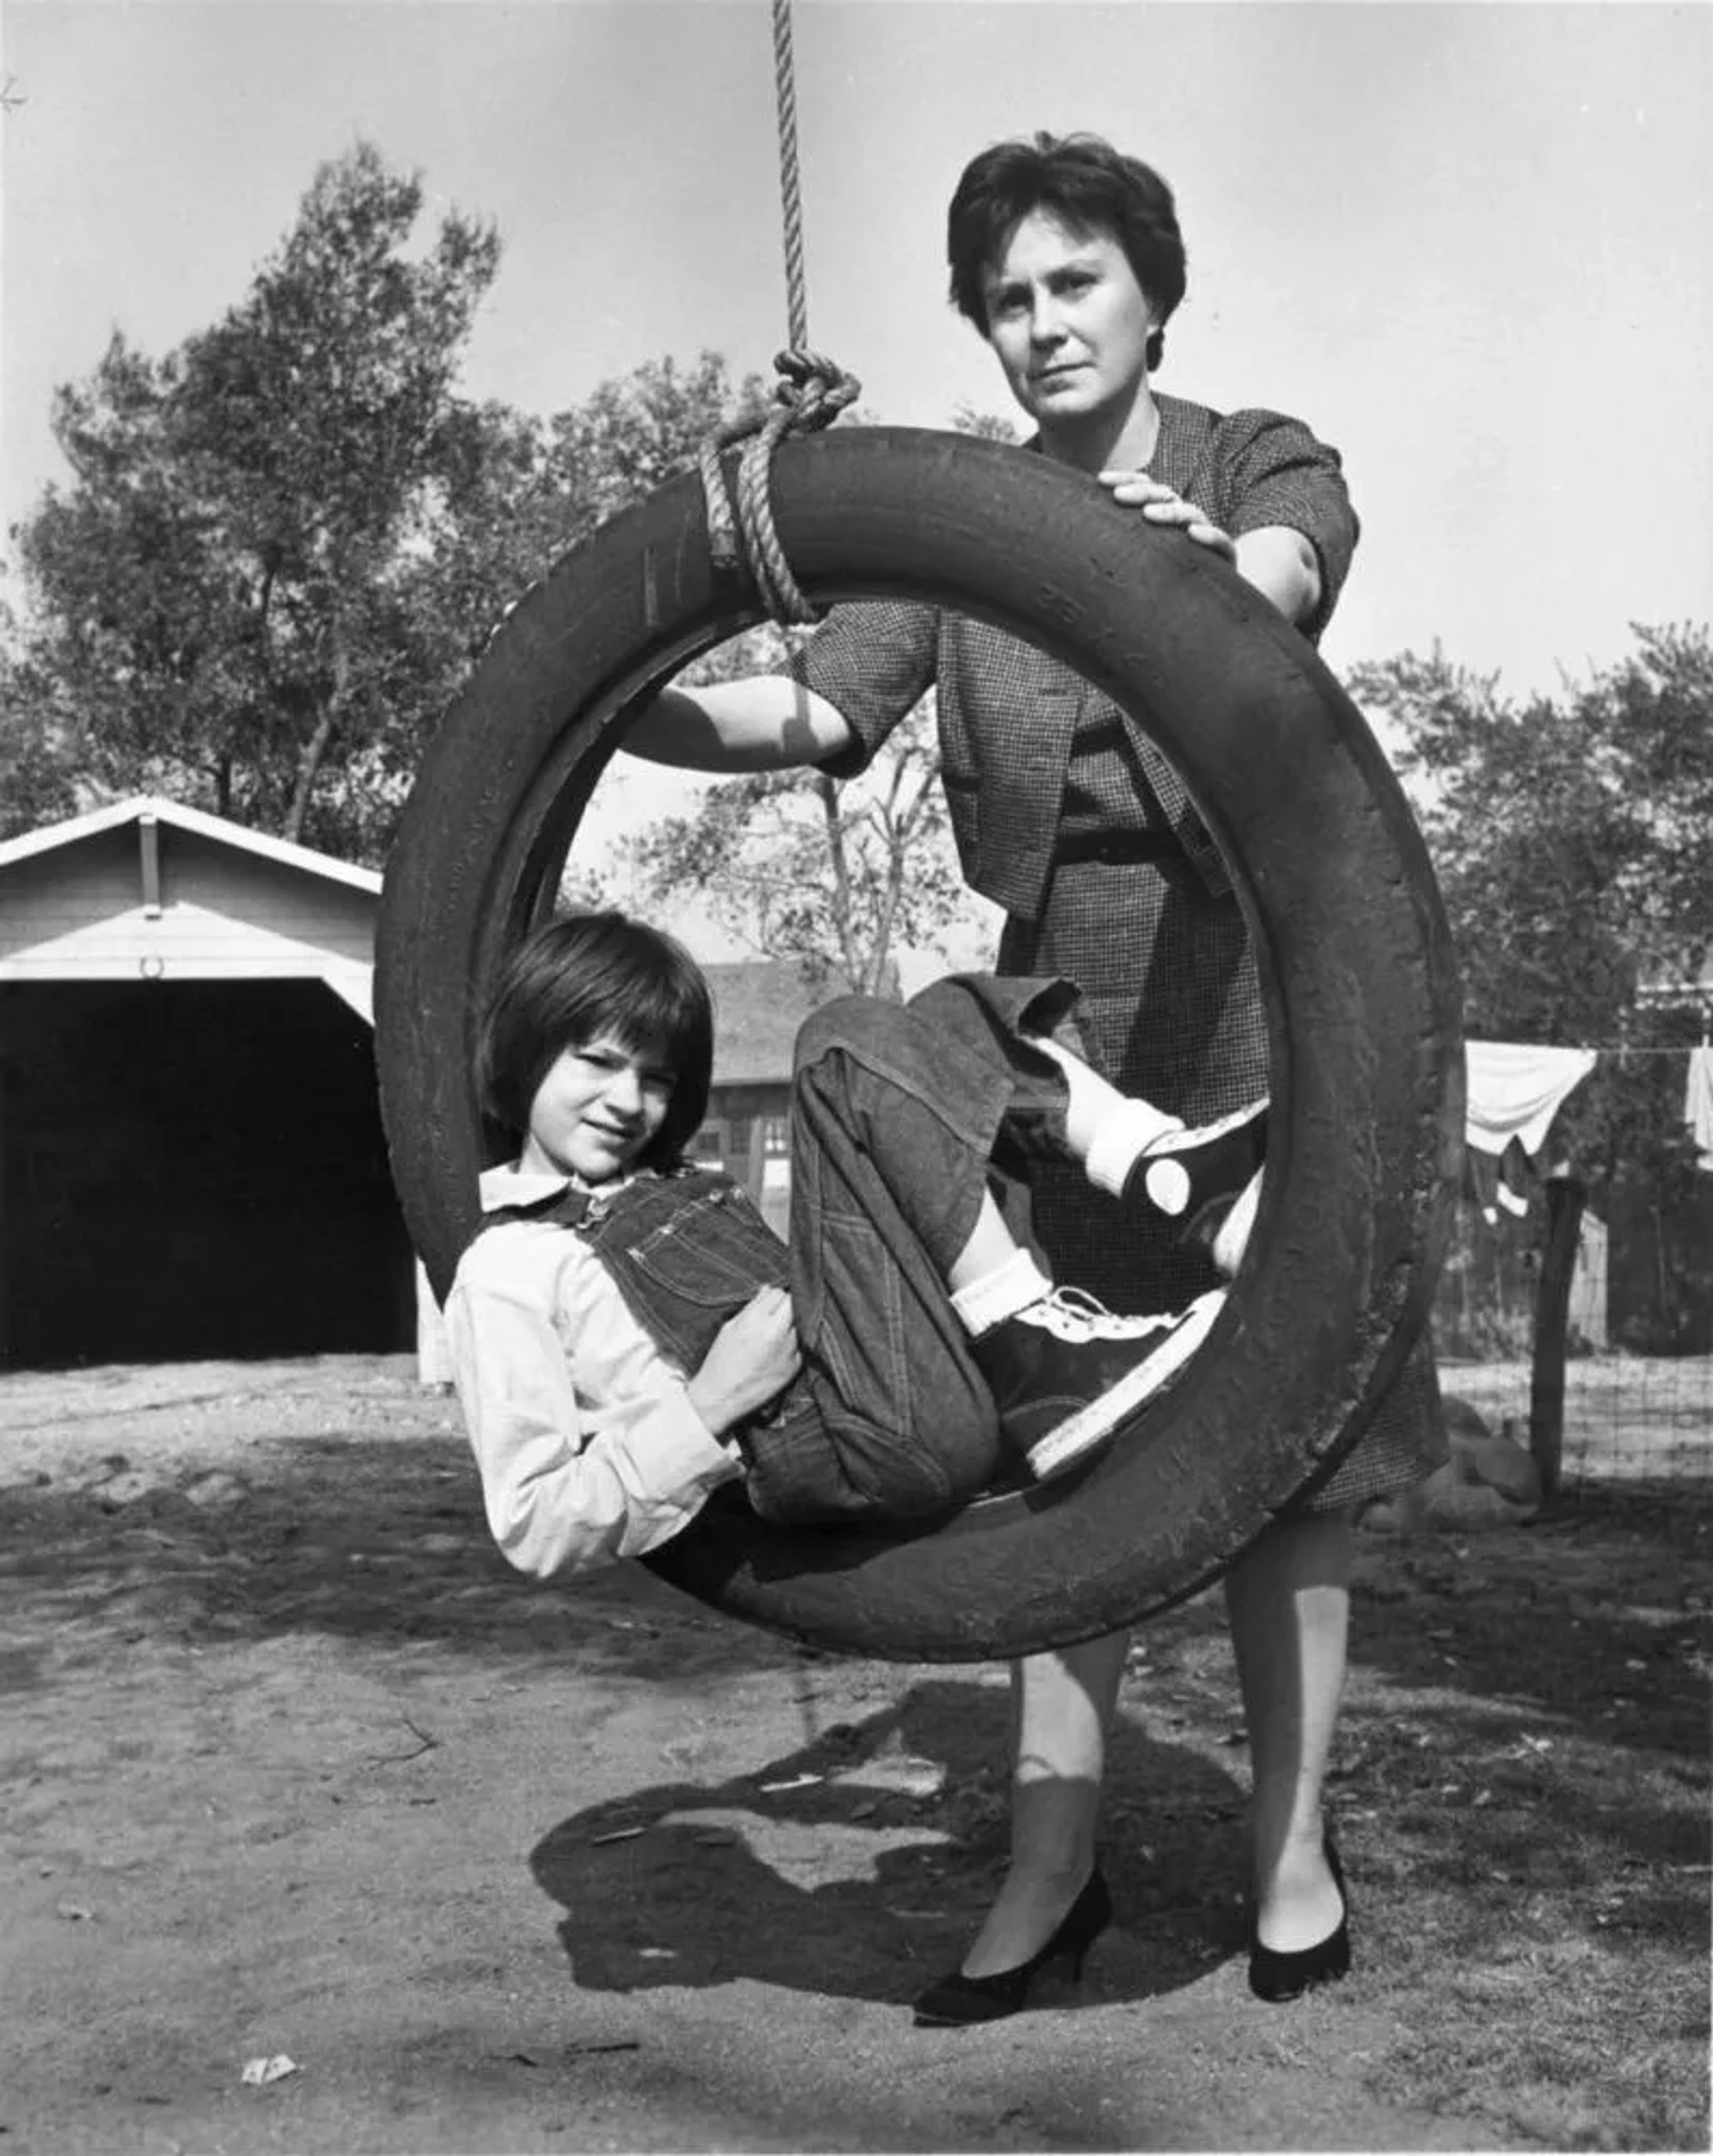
1069,323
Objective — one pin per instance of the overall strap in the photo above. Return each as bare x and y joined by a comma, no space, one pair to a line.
588,1210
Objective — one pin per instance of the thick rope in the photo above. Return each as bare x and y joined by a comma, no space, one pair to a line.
790,186
811,393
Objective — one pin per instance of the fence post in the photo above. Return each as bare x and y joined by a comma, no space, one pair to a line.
1565,1199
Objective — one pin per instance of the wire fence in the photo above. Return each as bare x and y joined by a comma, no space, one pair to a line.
1638,1365
1627,1418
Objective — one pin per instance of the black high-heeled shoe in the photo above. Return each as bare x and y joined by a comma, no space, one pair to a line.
957,2000
1277,1977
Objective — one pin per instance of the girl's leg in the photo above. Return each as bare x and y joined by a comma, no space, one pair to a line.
1288,1600
895,1117
1061,1706
1135,1151
892,1128
991,1249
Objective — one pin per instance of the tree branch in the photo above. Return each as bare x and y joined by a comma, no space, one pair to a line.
315,750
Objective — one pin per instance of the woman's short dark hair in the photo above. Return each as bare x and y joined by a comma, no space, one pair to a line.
1089,186
592,976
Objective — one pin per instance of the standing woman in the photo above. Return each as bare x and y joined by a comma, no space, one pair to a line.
1066,256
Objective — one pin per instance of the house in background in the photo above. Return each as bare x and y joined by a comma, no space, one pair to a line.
191,1155
192,1160
758,1009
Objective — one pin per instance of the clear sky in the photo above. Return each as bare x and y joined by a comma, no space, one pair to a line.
1471,243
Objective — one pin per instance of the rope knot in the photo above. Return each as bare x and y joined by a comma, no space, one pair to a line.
810,393
813,388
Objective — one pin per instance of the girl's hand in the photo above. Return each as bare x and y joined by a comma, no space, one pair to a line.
1160,504
754,1355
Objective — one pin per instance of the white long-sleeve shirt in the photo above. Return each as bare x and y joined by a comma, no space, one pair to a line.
588,1445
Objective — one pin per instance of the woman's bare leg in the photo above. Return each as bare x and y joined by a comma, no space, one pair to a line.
1062,1706
1289,1602
1288,1599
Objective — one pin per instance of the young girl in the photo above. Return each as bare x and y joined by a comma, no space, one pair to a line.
628,1333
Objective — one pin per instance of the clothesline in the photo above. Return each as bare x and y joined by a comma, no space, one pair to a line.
1515,1090
1605,1047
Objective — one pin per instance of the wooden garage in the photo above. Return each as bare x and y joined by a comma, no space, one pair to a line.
192,1160
191,1155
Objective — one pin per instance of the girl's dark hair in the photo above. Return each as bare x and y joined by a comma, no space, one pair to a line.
591,976
1089,186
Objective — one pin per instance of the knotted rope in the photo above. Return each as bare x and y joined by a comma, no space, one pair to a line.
812,392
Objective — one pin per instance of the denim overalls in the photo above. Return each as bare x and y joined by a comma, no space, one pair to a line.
904,1118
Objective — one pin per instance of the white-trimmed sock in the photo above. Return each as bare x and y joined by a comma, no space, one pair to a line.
1001,1294
1121,1142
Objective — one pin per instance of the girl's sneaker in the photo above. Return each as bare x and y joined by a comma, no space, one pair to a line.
1184,1171
1066,1372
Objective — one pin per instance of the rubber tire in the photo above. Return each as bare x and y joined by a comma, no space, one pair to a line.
1353,948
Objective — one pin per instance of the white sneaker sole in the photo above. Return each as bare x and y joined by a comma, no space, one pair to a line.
1063,1447
1204,1133
1232,1239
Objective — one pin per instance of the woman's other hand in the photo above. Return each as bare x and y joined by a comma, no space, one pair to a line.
754,1355
1162,504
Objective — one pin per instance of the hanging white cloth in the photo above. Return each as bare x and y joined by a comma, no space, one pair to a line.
1516,1089
1698,1104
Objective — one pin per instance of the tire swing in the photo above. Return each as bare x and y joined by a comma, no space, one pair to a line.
1354,952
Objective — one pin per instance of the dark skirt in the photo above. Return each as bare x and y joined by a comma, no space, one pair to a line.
1172,1010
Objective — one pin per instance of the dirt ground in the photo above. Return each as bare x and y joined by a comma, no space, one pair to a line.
296,1769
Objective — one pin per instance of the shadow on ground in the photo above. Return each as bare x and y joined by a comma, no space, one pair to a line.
1497,1653
683,1883
359,1539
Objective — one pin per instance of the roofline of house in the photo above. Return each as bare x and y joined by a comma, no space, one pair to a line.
115,814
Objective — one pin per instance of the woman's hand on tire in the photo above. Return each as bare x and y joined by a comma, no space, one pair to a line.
1163,505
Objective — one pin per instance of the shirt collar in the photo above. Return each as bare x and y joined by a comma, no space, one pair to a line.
513,1184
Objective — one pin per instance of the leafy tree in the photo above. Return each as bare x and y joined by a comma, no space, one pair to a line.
230,598
516,493
284,545
1573,838
635,433
37,781
986,425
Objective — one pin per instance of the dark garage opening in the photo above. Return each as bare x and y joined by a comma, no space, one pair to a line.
193,1169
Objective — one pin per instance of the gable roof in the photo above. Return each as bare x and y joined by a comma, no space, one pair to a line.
117,814
758,1006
